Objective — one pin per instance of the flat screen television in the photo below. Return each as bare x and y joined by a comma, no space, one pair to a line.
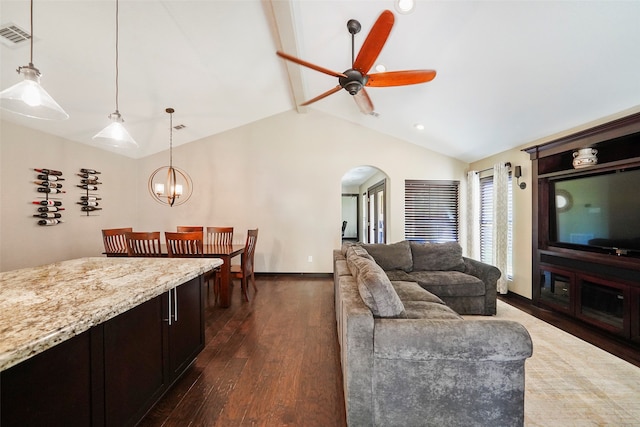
596,212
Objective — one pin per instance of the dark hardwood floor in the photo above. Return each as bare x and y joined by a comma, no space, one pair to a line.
273,361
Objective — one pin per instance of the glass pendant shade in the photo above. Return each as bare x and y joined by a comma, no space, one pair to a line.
29,99
115,134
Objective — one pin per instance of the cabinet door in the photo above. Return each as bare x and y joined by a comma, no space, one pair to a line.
186,333
133,363
52,388
557,288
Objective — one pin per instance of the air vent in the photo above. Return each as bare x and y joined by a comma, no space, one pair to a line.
178,127
12,35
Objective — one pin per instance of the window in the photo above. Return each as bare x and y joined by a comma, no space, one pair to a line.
486,223
431,210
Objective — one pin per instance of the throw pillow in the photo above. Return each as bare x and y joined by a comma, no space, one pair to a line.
437,256
377,292
394,256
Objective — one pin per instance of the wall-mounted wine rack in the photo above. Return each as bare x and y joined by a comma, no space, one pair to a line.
49,185
89,200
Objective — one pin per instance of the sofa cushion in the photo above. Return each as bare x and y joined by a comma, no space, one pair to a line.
411,291
437,256
449,283
394,256
376,290
429,310
354,253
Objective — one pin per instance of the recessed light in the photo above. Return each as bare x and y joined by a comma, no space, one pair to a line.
381,68
419,126
405,6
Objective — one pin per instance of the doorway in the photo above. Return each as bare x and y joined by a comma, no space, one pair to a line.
376,218
357,183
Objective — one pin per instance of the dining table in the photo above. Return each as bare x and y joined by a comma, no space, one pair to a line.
225,253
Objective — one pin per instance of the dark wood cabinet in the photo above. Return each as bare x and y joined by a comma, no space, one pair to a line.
112,374
594,283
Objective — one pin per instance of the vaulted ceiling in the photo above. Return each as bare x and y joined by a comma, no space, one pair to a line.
509,72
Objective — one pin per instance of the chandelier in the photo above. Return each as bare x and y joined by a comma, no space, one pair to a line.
170,185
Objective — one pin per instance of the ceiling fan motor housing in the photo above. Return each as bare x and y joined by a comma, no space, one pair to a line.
353,82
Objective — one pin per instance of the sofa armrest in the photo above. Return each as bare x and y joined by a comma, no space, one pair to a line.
477,340
489,276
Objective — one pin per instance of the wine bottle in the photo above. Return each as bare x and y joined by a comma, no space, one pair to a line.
49,209
50,178
49,221
88,203
48,215
47,202
90,181
91,171
50,190
87,176
48,171
49,184
88,187
90,198
89,208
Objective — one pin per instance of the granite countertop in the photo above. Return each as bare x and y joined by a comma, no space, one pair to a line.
43,306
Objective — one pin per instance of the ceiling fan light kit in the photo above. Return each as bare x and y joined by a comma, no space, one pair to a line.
356,79
28,98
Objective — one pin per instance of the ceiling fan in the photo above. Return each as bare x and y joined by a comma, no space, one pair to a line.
356,78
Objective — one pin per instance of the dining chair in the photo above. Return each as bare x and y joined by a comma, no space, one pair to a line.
245,271
184,244
143,244
114,241
183,228
219,236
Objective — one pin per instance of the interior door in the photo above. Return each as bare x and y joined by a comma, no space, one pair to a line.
376,222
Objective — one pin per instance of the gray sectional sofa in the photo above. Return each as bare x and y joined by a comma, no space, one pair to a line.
409,359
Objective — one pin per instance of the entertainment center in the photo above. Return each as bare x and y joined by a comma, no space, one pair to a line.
586,230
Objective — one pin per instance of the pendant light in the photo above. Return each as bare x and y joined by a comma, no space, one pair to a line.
28,98
170,185
115,134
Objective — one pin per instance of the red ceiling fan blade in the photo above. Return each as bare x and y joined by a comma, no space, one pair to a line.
309,65
363,101
324,95
374,42
400,78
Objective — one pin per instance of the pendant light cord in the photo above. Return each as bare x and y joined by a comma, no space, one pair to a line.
117,32
31,38
171,140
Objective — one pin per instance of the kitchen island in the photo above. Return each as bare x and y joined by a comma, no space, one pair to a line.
97,341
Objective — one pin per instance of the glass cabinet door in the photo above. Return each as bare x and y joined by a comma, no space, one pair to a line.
556,288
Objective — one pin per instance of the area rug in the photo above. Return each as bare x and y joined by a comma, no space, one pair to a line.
569,382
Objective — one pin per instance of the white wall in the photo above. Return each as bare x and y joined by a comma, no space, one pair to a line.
23,243
282,174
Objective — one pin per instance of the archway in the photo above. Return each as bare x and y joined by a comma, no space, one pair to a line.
364,204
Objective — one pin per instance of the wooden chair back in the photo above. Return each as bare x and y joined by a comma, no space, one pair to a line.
184,244
184,228
143,244
250,250
114,240
244,272
220,236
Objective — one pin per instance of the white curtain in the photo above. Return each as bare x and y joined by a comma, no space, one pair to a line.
501,222
473,215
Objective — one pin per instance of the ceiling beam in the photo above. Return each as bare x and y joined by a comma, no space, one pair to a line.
284,18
